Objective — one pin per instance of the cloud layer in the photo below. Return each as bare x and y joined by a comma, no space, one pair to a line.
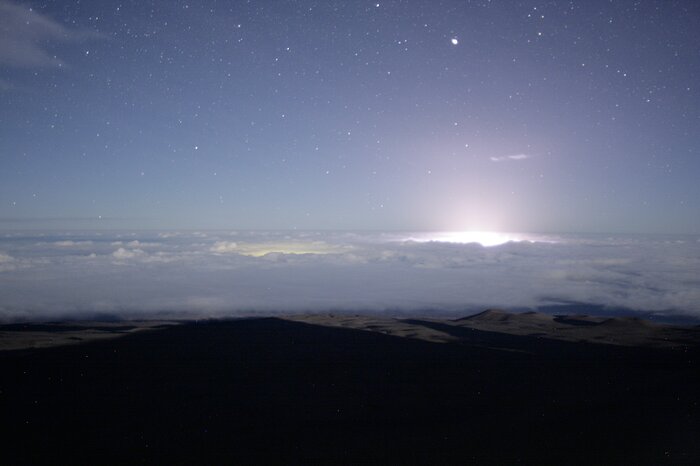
229,273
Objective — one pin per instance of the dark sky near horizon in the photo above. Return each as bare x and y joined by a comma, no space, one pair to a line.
566,116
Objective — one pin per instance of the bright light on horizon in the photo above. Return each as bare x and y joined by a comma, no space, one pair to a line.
484,238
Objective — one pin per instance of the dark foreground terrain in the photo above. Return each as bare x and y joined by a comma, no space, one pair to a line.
261,390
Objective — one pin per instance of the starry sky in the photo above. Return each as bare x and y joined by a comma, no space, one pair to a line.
536,116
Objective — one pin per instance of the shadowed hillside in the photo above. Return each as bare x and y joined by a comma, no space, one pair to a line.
275,390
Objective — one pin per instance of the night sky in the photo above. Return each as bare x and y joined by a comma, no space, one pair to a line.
566,116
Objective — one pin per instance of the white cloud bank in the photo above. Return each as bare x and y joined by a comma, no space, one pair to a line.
222,273
122,253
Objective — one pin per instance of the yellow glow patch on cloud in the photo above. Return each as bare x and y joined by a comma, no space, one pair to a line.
282,247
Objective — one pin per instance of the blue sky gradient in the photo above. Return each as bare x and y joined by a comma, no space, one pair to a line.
441,115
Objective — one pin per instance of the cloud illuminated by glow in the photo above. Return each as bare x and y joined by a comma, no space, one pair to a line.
484,238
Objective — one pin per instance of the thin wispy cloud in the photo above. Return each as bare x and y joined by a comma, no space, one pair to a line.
25,36
508,158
